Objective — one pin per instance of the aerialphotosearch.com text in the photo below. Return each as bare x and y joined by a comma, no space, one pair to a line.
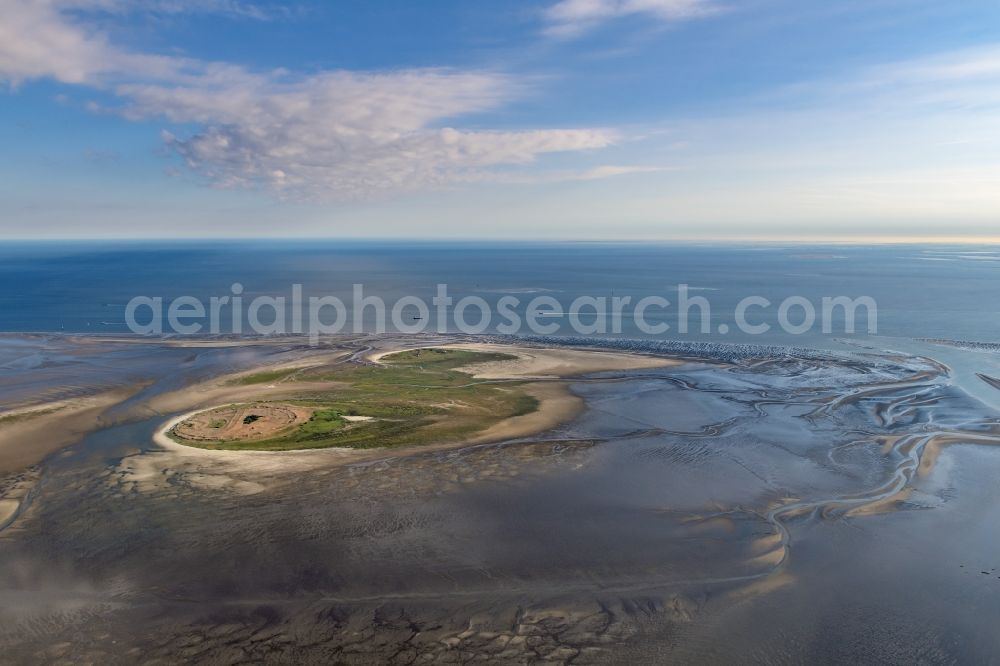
509,314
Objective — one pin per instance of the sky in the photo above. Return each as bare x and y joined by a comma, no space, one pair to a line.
854,120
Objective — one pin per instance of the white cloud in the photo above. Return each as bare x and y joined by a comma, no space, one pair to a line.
611,170
348,135
965,65
41,39
335,134
906,144
233,8
965,80
569,18
35,41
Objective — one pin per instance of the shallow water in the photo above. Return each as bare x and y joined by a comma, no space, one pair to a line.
53,366
743,510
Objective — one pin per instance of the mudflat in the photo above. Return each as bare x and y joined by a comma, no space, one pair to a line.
702,509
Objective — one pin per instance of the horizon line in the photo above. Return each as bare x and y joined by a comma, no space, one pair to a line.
826,240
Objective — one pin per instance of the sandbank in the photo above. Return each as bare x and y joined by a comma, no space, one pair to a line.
29,434
544,362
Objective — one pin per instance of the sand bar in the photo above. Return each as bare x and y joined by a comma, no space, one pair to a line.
39,430
547,362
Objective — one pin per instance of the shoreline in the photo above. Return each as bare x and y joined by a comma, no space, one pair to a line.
556,404
48,427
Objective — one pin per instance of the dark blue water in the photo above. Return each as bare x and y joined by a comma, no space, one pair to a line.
922,291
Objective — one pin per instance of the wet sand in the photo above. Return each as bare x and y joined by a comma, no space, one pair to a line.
8,508
763,509
556,405
32,433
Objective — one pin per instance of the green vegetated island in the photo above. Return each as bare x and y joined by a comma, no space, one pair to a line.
413,397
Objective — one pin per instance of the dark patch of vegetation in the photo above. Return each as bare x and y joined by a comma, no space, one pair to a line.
321,423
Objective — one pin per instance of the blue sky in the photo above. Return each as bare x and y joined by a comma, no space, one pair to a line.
563,119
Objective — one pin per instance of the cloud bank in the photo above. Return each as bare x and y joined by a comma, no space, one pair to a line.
330,135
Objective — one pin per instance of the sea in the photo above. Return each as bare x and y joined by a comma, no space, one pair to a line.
946,292
941,301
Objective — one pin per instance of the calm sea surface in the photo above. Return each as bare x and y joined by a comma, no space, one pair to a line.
950,292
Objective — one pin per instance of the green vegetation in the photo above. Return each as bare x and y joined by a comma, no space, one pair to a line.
442,359
321,423
265,376
415,397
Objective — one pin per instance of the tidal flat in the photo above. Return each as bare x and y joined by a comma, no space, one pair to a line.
702,506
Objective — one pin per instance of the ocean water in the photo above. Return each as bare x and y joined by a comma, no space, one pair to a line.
949,292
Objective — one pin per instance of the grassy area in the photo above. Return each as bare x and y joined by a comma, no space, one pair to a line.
265,377
416,397
321,423
442,359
